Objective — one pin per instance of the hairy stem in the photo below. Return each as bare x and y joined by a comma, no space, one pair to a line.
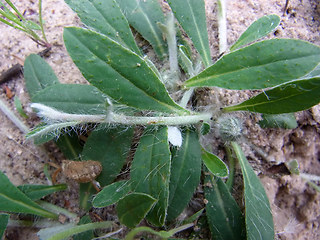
222,25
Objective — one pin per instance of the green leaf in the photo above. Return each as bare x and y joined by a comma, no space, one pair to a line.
36,192
192,17
224,215
105,17
133,208
261,65
67,230
215,165
258,217
13,200
150,171
84,235
4,219
260,28
117,71
145,16
285,120
38,74
111,194
110,148
73,98
314,73
185,174
18,106
289,97
31,25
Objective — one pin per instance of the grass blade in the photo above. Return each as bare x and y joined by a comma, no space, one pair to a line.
36,192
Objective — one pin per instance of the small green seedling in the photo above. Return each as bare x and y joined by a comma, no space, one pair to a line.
127,90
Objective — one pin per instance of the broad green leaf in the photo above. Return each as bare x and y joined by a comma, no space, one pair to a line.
4,219
185,174
117,71
150,171
133,208
258,217
285,120
192,17
215,165
111,194
38,74
110,148
289,97
73,98
225,219
67,230
84,235
36,192
257,30
145,16
260,65
105,17
13,200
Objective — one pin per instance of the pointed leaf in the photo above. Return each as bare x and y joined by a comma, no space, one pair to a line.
73,98
145,16
110,148
111,194
117,71
86,193
185,174
257,30
150,171
38,74
224,215
215,165
258,217
4,219
285,120
36,192
133,208
105,17
13,200
289,97
192,17
261,65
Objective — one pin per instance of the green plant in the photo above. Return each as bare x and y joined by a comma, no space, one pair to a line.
16,20
128,90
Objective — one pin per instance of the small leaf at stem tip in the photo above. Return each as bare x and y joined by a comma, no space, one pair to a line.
257,30
214,164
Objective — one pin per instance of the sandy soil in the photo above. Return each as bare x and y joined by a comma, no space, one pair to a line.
295,205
